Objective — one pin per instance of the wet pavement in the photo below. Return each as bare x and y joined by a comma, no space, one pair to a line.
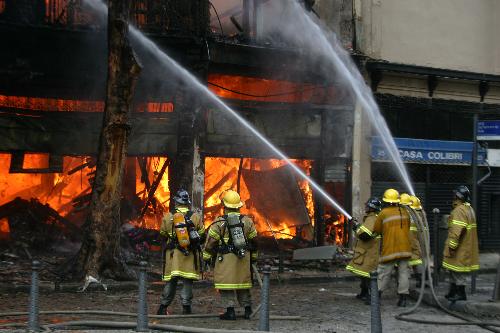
324,307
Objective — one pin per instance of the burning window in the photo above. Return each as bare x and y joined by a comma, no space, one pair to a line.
266,90
66,105
278,202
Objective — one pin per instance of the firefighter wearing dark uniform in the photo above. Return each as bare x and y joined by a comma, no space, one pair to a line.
461,250
184,233
366,250
231,241
393,223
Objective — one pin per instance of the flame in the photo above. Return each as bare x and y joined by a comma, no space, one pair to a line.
152,217
59,190
335,233
67,105
55,189
265,90
4,228
222,174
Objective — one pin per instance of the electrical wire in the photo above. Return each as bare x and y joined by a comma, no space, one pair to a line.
262,96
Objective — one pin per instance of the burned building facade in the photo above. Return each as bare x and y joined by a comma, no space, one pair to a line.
52,86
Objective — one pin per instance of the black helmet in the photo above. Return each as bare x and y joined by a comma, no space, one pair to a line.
462,192
182,197
374,203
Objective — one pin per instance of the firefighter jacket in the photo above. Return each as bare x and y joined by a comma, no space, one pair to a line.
367,248
176,262
231,271
461,250
393,222
416,253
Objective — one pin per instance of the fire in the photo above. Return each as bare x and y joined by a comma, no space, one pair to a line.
67,105
335,232
56,189
152,217
61,191
222,174
4,228
265,90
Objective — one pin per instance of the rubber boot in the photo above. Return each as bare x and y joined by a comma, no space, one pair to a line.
460,295
363,295
402,300
186,309
228,315
162,310
248,312
451,292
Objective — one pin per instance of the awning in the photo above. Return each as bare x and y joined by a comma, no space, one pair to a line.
428,151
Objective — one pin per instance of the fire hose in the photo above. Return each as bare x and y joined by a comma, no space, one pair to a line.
424,240
142,323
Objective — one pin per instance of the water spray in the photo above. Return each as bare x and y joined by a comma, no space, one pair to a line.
318,43
181,72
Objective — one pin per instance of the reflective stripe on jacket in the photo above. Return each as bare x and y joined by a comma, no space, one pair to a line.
462,241
231,272
366,251
393,222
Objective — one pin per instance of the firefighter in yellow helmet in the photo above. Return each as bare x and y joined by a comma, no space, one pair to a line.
231,240
393,223
366,251
416,205
461,250
184,234
416,253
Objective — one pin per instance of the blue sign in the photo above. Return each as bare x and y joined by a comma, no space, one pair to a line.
488,130
429,151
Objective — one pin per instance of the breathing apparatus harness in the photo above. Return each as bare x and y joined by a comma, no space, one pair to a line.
238,243
193,237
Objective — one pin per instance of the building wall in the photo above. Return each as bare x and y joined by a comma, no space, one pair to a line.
451,34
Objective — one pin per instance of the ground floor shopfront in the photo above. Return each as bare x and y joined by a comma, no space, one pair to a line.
436,168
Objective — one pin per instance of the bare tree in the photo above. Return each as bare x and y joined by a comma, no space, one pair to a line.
99,254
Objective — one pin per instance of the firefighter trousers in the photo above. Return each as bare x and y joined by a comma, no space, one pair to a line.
168,294
460,279
384,276
231,298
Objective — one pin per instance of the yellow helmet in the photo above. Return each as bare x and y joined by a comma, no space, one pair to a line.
405,199
391,196
231,199
415,202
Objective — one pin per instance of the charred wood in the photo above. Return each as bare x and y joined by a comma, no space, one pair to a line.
99,255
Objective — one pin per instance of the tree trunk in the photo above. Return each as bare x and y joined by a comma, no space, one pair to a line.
99,255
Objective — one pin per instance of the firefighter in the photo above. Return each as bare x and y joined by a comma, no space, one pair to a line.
366,251
461,251
231,242
416,205
393,223
416,257
184,233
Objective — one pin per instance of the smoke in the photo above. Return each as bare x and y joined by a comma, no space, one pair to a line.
286,24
